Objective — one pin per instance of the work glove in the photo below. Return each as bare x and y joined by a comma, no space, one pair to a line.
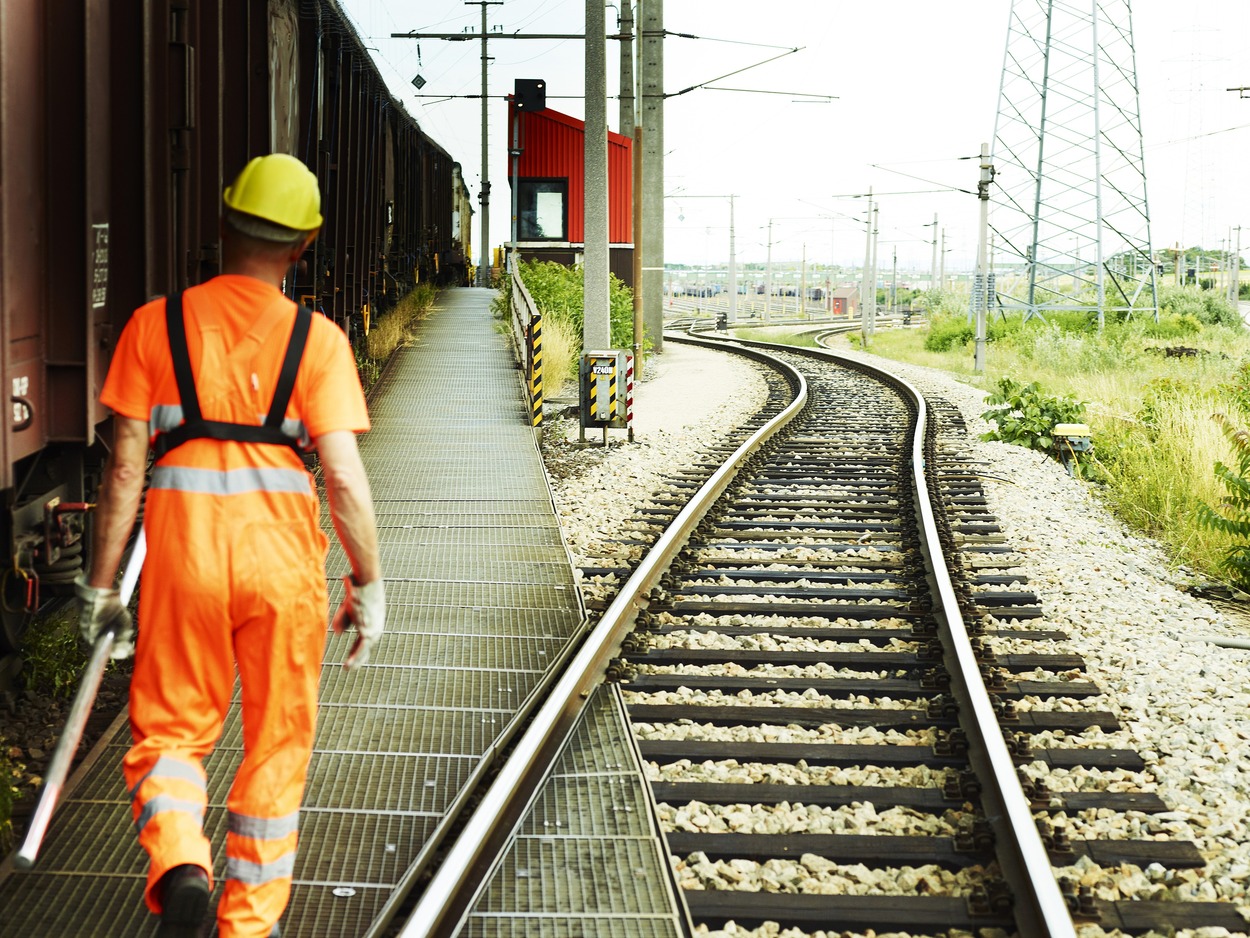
364,606
99,610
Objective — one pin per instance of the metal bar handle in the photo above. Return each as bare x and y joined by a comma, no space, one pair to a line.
84,699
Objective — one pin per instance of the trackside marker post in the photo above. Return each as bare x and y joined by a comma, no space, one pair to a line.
536,371
67,745
629,395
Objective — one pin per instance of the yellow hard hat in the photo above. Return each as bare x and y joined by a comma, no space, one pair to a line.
278,188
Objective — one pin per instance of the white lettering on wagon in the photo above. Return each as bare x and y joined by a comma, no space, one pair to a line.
100,266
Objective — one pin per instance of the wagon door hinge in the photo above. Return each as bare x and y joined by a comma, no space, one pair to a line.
181,86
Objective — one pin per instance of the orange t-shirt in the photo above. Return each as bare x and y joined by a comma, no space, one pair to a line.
237,333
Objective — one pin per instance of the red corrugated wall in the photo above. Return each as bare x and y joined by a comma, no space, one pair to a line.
551,148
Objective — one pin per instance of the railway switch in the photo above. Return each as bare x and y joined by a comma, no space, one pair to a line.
1069,441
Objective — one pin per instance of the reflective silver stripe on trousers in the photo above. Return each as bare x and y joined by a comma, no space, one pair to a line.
167,767
165,417
264,828
257,874
163,803
231,481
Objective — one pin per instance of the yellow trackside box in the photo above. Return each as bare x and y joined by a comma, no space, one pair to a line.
603,389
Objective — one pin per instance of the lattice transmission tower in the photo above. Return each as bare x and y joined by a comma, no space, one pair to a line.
1070,216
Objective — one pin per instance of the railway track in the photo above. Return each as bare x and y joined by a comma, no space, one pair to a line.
826,662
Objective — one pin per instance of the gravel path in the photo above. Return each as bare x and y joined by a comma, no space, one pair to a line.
1183,702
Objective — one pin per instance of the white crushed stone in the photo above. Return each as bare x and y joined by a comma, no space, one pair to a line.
1183,703
809,699
787,818
730,771
771,733
815,875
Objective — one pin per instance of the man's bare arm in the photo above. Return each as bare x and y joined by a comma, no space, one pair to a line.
351,502
118,502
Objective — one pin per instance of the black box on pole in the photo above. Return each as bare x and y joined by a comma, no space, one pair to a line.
530,94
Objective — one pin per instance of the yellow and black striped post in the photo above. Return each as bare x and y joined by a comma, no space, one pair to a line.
536,371
611,414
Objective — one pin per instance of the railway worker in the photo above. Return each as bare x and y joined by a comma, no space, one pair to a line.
235,568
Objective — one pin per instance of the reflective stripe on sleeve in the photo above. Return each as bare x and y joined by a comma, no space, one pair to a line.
167,767
164,418
162,803
264,828
257,874
231,481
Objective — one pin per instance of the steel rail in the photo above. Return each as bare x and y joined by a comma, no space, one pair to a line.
1042,911
470,858
425,858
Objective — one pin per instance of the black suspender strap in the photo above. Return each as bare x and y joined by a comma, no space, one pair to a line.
194,426
176,326
290,366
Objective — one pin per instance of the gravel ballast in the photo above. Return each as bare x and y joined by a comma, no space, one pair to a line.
1183,702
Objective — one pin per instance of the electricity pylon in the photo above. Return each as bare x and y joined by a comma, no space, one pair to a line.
1070,210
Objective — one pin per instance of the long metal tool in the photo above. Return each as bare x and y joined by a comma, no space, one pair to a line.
84,699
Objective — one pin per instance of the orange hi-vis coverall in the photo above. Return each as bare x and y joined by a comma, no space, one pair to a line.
234,576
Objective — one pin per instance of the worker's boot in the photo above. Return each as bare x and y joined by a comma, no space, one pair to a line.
184,902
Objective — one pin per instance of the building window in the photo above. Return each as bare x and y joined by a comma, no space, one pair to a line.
542,210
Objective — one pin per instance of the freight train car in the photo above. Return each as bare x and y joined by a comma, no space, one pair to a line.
120,122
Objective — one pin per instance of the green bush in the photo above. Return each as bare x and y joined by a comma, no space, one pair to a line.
53,656
9,792
937,303
1207,307
1026,417
1172,327
948,332
1072,322
557,291
1232,515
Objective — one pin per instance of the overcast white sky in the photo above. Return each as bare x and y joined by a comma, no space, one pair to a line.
917,84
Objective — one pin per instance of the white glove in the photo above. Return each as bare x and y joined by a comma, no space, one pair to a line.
364,606
99,610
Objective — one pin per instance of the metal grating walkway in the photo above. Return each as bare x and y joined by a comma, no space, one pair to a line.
480,600
586,862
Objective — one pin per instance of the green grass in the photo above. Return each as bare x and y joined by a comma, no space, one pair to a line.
1155,442
53,655
9,792
557,291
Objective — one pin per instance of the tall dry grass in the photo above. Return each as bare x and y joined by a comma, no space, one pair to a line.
1155,442
562,346
395,327
1157,470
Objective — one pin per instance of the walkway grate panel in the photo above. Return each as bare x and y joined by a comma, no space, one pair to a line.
480,598
536,624
569,926
427,687
450,594
586,860
456,651
592,875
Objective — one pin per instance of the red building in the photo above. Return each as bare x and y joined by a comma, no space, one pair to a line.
845,301
551,190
